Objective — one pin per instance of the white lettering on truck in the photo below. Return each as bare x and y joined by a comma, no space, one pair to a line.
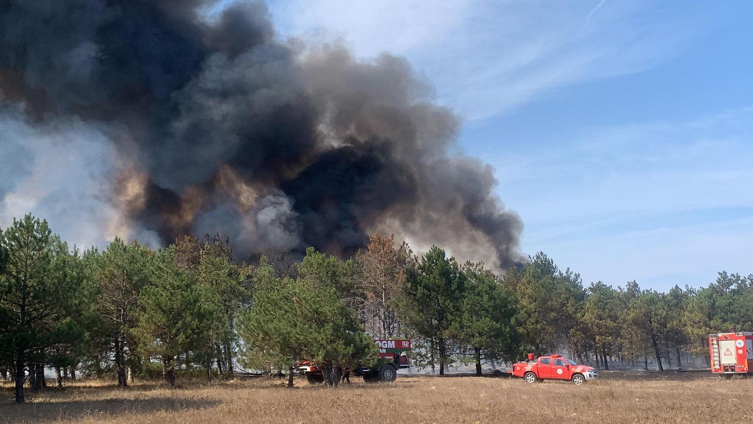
386,344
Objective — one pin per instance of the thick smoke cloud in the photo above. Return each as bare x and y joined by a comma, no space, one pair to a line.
217,126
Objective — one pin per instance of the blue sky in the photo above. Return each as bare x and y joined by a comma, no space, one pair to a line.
621,131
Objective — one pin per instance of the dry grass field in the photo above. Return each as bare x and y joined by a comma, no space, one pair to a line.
616,398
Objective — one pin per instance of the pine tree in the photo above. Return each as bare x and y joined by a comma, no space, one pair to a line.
292,320
599,319
36,289
549,301
433,300
174,314
226,286
122,272
488,316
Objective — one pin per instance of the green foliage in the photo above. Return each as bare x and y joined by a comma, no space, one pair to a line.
292,320
122,271
596,328
38,287
433,299
131,311
487,321
173,314
320,270
549,300
227,288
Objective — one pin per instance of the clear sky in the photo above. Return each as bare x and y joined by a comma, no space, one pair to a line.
621,131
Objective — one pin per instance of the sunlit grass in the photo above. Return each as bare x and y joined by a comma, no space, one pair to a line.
614,399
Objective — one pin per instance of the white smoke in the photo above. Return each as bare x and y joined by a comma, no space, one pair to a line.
60,171
269,224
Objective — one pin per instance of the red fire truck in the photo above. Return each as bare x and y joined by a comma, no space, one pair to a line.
392,357
553,367
731,353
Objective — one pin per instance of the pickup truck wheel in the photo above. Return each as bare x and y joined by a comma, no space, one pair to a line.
387,373
530,377
578,379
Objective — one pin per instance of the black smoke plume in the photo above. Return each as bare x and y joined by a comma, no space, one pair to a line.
221,127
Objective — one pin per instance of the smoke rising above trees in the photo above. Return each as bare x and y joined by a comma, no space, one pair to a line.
213,124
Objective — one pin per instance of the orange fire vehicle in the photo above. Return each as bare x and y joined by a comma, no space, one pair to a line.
731,353
553,367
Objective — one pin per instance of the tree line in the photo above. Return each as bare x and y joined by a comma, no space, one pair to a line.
129,311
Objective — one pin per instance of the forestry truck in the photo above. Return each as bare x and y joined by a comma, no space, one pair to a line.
553,367
392,357
731,353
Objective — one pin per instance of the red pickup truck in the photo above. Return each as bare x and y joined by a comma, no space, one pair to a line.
553,367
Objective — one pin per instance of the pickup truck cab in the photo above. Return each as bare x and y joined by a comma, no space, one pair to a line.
553,367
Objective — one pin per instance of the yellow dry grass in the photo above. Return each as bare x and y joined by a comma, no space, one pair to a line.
618,398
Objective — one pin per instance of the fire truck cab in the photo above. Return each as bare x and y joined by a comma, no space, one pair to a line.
392,357
553,367
731,353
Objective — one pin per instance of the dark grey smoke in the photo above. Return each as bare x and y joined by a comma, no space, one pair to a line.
237,132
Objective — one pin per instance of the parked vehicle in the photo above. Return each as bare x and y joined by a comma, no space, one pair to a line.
731,353
553,367
392,357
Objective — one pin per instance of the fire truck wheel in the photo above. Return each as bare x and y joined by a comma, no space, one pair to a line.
387,373
578,379
315,378
530,377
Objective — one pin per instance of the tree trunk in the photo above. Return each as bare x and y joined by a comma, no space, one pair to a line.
656,351
34,379
432,349
98,367
229,358
19,376
73,373
606,362
679,360
40,377
168,370
120,362
58,376
220,365
645,362
442,355
290,377
477,351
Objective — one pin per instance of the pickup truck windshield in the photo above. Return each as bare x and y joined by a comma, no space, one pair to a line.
571,362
